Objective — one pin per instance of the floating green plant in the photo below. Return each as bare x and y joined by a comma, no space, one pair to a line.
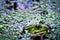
1,26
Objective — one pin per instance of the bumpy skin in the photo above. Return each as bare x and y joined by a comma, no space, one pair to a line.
38,30
35,30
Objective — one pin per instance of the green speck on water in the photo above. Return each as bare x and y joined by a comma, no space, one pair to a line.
42,17
1,26
42,5
47,4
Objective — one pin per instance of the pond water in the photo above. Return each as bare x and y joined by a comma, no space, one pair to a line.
16,15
